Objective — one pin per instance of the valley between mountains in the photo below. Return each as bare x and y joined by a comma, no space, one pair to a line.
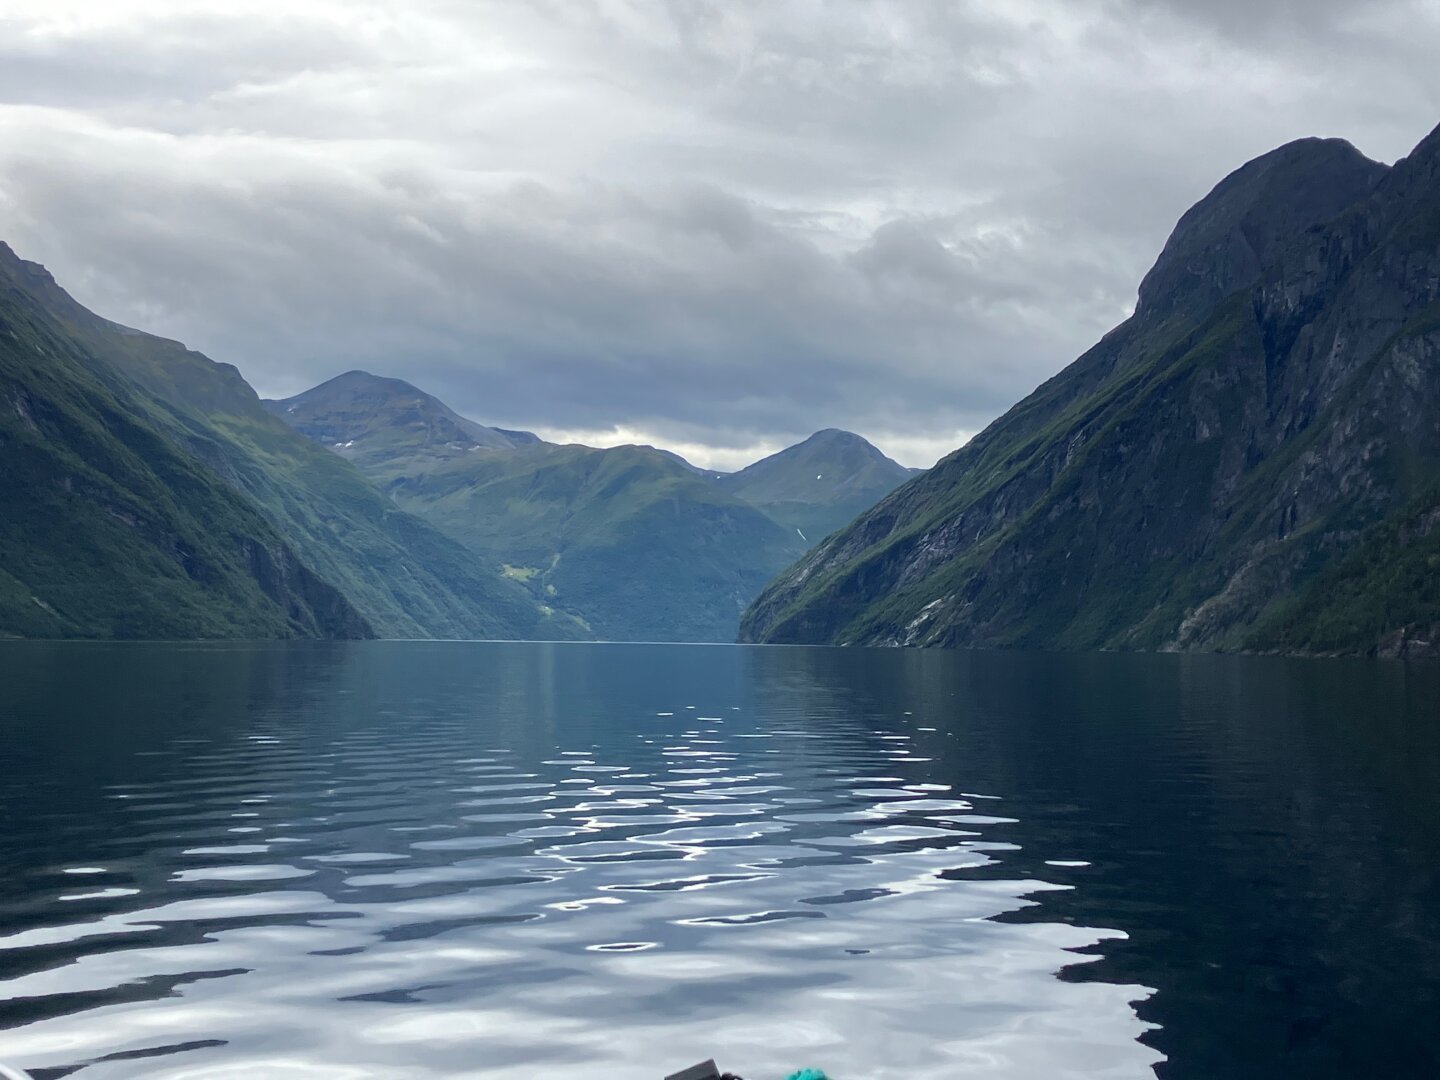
632,542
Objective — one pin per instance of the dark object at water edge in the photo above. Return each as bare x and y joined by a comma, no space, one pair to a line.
706,1070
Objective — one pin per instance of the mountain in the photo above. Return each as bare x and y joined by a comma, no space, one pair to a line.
1250,461
373,421
635,542
402,576
109,529
819,485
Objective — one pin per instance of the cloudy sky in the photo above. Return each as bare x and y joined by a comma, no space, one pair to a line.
714,226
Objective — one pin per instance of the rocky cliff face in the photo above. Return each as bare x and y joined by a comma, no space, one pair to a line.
1194,480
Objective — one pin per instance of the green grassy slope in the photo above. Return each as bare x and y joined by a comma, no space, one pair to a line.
407,579
636,543
110,530
1385,589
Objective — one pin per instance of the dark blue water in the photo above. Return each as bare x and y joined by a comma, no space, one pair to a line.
486,860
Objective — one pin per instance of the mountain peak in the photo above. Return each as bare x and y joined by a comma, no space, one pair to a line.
819,484
363,415
9,258
833,441
34,279
1230,238
1254,479
1427,148
357,380
837,436
1414,177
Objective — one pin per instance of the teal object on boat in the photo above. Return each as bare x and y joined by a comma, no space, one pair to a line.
808,1074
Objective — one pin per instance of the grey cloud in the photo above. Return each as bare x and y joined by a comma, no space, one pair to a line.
1250,25
678,306
722,225
181,57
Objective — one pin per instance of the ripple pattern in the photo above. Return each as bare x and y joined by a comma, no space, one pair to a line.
445,885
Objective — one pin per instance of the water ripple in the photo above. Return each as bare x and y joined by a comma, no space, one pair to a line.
414,905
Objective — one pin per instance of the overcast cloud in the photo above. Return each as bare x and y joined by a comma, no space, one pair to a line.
712,226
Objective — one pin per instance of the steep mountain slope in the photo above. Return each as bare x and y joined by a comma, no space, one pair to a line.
634,541
406,578
1210,473
1385,589
819,485
373,421
110,530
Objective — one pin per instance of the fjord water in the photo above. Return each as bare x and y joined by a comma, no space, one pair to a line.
425,860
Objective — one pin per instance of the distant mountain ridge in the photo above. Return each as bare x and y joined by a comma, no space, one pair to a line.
370,419
1251,461
633,541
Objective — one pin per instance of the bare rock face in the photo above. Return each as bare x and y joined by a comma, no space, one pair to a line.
1229,239
1411,643
1221,471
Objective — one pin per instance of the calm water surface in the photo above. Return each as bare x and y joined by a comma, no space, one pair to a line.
343,861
